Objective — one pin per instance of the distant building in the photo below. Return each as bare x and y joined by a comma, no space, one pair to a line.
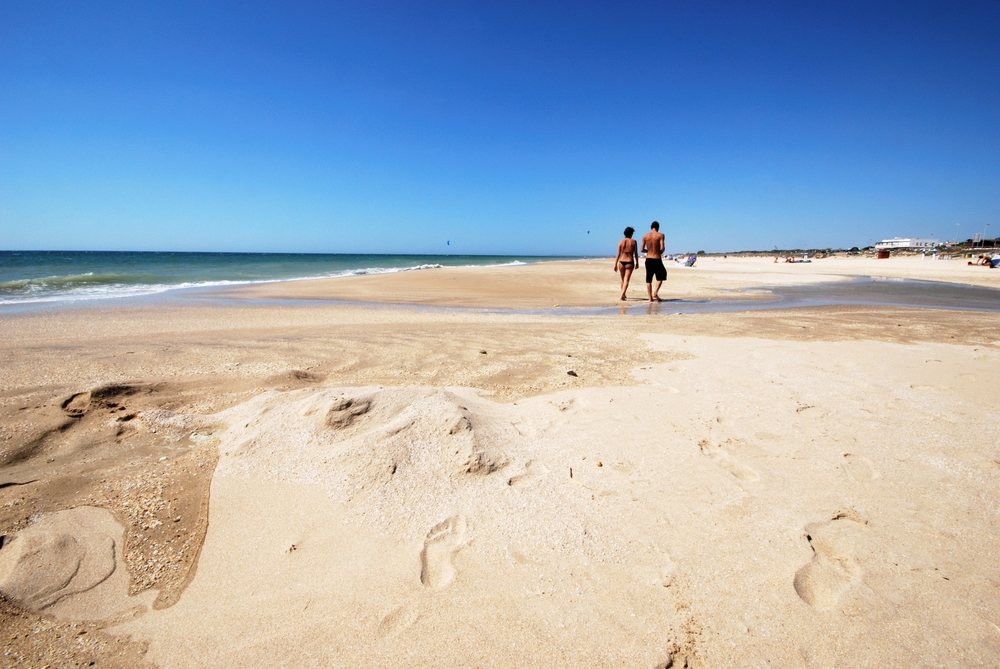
907,243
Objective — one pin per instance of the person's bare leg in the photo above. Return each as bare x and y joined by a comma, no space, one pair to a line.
626,277
649,291
656,293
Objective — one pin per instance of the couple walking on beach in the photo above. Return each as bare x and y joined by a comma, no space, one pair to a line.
628,258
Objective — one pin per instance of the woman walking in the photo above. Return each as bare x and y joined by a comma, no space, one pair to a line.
626,260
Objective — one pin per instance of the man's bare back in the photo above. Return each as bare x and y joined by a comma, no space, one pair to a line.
652,244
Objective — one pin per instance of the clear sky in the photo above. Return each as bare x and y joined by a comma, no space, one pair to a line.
501,127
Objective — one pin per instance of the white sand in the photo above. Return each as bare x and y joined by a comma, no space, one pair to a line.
819,508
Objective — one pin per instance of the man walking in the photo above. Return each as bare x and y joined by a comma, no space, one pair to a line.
652,246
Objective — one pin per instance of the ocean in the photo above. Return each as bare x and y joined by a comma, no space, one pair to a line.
65,276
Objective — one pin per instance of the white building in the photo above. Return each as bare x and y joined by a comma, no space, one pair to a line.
908,243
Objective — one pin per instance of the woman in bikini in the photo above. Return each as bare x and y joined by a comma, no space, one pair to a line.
626,259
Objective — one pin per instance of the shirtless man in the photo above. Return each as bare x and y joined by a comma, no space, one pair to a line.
652,246
626,260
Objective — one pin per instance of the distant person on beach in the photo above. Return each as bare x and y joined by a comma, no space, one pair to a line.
652,246
626,259
984,260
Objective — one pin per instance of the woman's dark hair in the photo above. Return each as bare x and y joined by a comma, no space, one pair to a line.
628,232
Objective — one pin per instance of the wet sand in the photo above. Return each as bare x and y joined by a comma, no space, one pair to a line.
324,484
588,283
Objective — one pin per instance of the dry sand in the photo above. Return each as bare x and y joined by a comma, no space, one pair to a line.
314,484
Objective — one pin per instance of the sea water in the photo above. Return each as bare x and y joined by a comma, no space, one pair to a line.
56,276
28,277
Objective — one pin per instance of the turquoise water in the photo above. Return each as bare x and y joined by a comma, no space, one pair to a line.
56,276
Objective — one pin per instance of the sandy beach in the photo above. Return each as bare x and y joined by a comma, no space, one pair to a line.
585,283
350,473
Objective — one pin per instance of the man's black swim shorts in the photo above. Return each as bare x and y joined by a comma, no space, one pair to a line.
654,267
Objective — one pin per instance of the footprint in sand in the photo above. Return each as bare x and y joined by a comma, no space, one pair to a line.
674,661
860,468
832,570
76,405
667,571
344,412
564,405
443,541
622,467
397,621
728,462
533,471
63,554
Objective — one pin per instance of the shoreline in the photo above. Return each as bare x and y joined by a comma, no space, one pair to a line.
576,287
151,289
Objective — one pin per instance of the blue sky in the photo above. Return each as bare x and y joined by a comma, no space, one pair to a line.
502,127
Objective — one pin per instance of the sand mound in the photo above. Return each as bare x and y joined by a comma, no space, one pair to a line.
406,462
65,563
377,449
391,514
